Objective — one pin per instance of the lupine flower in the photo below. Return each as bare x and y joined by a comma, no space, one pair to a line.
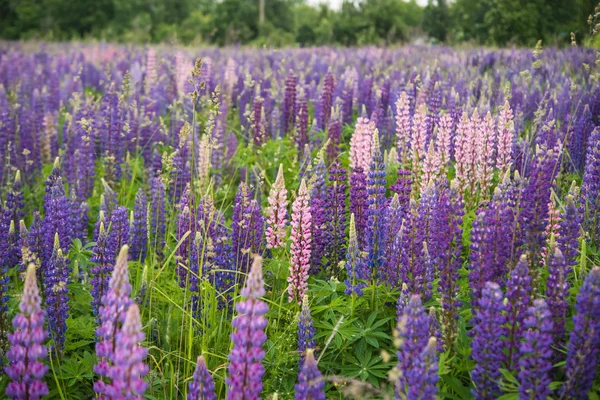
318,213
358,202
128,369
115,304
15,200
487,346
5,233
536,351
403,187
306,330
326,101
139,228
57,295
119,228
276,212
361,143
431,168
356,265
311,385
444,140
552,225
25,369
247,228
103,258
418,140
202,386
289,102
301,239
157,213
485,140
377,204
393,242
335,208
583,349
413,332
422,379
557,291
465,152
57,214
334,135
591,183
403,127
435,330
506,138
301,134
518,291
244,379
570,219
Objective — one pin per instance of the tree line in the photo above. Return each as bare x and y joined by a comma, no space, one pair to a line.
294,22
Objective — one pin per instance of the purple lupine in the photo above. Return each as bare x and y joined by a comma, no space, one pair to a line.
185,226
301,134
157,213
335,209
57,296
318,213
244,379
487,346
536,352
403,188
103,258
247,229
127,372
58,209
306,331
326,101
25,369
445,249
15,200
518,290
490,246
202,386
311,385
583,349
334,134
393,216
435,330
113,311
413,331
569,226
423,377
358,202
35,244
119,229
289,102
557,292
139,228
6,231
356,265
377,204
590,190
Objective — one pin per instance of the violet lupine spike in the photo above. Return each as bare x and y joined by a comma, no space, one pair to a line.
444,140
570,228
335,208
435,330
505,138
326,101
413,333
5,264
519,294
289,102
139,228
583,349
358,202
301,244
26,370
57,209
393,216
377,204
485,140
157,213
536,352
403,126
423,378
557,292
590,190
361,143
15,200
306,331
403,187
334,135
276,213
247,228
128,369
185,226
112,315
57,296
301,134
311,385
487,346
245,371
202,386
119,228
356,265
103,258
318,213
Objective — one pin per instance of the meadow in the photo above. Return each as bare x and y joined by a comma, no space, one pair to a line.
408,223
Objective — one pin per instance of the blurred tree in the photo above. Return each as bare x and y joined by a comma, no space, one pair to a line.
436,20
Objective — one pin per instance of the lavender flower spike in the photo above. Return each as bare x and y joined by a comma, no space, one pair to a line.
311,385
245,369
306,331
301,238
25,369
202,386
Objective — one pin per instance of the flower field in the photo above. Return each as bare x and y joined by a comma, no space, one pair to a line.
409,223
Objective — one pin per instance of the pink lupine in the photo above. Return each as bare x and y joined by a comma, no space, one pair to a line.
403,128
506,133
181,73
301,244
360,144
444,138
552,231
151,73
463,150
277,212
431,166
484,145
419,136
